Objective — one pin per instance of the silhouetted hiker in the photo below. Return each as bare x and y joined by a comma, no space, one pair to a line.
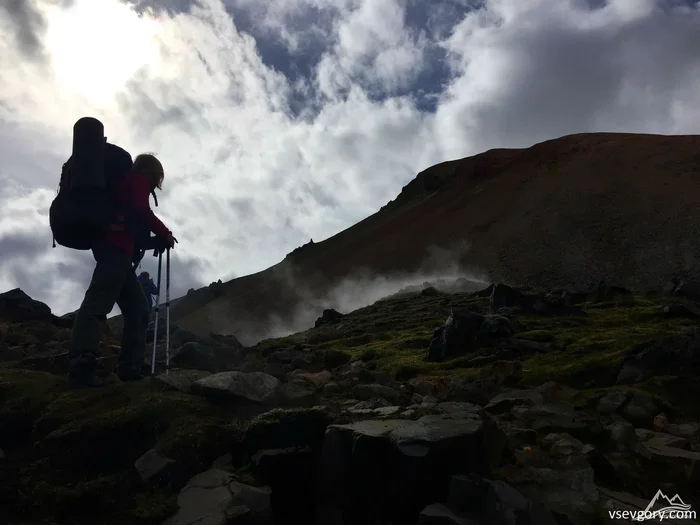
103,205
149,288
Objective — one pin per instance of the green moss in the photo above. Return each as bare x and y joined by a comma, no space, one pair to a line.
333,358
283,428
541,336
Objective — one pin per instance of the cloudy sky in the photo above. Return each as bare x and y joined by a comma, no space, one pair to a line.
284,120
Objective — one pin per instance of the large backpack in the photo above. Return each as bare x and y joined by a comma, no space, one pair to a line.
83,211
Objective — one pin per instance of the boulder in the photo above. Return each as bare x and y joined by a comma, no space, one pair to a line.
329,316
412,463
257,387
676,355
570,494
181,380
611,402
152,466
465,331
214,497
226,340
366,392
439,514
319,379
299,391
209,358
494,501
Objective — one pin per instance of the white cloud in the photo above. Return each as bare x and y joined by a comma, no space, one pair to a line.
246,181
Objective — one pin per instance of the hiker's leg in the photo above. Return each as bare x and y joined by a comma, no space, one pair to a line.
105,286
132,302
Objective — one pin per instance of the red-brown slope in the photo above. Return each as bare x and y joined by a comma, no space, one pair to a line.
564,213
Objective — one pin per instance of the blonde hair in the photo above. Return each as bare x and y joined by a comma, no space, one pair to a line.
147,164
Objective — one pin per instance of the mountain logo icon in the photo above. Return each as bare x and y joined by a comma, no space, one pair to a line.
661,504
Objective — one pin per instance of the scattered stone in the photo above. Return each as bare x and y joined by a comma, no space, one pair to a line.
439,514
504,402
215,498
386,411
422,386
622,434
503,372
153,466
496,327
684,430
681,309
480,391
258,387
198,356
300,391
571,493
503,296
227,339
689,290
641,409
457,337
369,406
181,380
664,450
366,392
660,422
329,316
611,402
494,501
457,407
319,379
676,355
332,389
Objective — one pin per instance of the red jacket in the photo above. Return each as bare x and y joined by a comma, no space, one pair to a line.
133,191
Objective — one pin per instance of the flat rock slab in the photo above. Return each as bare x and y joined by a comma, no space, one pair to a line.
258,387
507,400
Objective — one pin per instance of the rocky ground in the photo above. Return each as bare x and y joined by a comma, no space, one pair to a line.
499,407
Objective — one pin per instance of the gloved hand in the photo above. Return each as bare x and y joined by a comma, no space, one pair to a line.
160,244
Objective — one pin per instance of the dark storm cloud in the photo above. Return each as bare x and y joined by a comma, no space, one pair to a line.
565,79
14,246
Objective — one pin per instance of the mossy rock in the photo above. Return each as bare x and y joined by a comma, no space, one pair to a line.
284,428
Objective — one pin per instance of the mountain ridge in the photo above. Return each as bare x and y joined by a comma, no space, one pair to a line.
567,212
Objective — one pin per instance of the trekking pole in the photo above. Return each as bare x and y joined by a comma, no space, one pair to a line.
167,313
155,328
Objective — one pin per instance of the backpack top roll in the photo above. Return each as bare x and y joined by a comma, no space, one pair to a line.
88,157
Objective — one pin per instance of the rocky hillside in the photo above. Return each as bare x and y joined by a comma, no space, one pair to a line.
564,213
502,406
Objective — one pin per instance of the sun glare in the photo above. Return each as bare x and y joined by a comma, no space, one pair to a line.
96,46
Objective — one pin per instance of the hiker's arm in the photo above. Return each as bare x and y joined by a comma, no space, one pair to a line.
153,289
142,208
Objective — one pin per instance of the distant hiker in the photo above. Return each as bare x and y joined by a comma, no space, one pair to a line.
103,205
149,288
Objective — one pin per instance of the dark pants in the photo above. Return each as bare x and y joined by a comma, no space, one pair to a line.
114,280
